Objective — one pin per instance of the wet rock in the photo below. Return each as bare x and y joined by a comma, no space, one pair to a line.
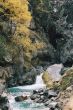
35,91
34,96
38,100
40,91
5,108
21,98
46,97
45,93
42,97
47,103
3,99
4,104
52,93
49,93
53,105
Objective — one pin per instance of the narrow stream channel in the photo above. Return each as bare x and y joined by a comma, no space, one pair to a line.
26,90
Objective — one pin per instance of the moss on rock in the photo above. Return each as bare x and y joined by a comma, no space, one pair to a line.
67,79
47,79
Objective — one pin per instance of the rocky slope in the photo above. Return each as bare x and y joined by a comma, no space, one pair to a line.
55,17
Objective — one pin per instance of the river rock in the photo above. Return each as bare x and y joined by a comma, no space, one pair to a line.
38,100
48,97
34,96
20,98
35,91
52,93
4,104
53,105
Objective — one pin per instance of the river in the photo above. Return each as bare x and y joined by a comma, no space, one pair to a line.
26,90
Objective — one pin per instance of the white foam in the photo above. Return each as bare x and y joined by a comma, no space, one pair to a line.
39,84
17,106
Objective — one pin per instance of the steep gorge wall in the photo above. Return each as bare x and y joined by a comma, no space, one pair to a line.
56,19
22,46
34,33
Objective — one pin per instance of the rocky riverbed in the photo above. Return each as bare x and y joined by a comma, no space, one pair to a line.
40,99
47,97
38,95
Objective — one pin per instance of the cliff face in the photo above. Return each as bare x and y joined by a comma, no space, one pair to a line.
56,19
34,33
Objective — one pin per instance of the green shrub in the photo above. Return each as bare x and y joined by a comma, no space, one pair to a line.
67,79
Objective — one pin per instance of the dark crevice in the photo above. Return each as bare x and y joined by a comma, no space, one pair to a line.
54,36
4,64
68,63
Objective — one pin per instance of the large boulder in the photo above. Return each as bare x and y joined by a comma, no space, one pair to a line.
52,74
55,71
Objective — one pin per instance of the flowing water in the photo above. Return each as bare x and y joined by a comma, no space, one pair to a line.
26,90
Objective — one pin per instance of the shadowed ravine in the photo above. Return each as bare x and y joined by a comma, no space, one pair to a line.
36,54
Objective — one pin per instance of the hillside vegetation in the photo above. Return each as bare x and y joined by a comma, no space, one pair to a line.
15,24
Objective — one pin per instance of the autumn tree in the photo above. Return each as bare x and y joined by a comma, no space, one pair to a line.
16,19
17,12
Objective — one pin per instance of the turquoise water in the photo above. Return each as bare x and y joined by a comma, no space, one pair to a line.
24,105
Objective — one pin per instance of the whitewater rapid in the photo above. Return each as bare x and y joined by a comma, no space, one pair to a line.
26,90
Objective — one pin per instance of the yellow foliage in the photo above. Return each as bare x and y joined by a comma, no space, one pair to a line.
22,31
18,10
47,79
28,45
